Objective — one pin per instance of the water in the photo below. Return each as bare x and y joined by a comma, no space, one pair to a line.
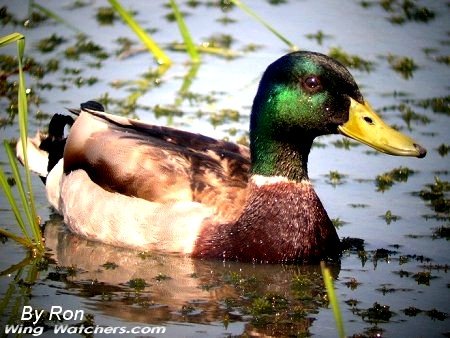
192,298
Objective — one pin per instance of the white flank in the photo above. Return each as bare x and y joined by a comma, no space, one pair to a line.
120,220
37,158
53,184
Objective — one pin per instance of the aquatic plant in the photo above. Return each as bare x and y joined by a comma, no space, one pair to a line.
138,284
190,46
352,61
333,299
403,65
255,16
19,291
106,15
335,178
437,104
402,11
390,217
437,195
386,180
319,37
28,220
146,39
377,314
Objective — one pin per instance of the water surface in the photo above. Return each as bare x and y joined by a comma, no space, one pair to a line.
397,285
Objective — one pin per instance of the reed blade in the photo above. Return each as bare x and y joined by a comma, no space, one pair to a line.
255,16
151,45
7,39
54,16
28,196
12,202
190,46
31,226
328,280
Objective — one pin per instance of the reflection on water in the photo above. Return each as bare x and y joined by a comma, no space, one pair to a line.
150,288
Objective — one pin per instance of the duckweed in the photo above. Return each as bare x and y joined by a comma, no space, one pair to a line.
352,61
125,47
224,41
337,222
443,149
382,254
170,17
187,309
77,4
106,15
260,306
386,180
352,284
352,302
402,11
436,314
358,205
442,232
423,277
244,140
377,313
335,178
84,46
437,104
409,115
346,144
403,65
353,244
444,59
319,37
436,195
3,239
110,266
225,20
49,44
138,284
162,277
35,19
390,217
385,290
224,115
6,17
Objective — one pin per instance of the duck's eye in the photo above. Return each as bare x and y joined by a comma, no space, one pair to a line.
312,84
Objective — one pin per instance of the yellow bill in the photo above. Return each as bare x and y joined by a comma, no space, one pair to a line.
365,126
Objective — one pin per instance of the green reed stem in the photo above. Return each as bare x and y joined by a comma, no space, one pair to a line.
328,280
28,201
190,46
255,16
54,16
14,207
25,190
152,46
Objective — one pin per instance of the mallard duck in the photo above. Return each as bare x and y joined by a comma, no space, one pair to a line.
126,183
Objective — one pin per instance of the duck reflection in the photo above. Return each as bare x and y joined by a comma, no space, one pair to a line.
269,300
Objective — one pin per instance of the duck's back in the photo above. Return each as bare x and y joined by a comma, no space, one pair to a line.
156,163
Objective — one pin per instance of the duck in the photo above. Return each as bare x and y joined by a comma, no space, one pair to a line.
127,183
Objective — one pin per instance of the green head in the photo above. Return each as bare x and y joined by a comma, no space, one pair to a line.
301,95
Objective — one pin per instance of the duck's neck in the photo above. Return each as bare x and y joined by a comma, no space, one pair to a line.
283,156
281,133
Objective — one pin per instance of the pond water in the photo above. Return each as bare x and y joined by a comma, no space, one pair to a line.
396,285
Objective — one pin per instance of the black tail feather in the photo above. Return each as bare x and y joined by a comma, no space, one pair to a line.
55,141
